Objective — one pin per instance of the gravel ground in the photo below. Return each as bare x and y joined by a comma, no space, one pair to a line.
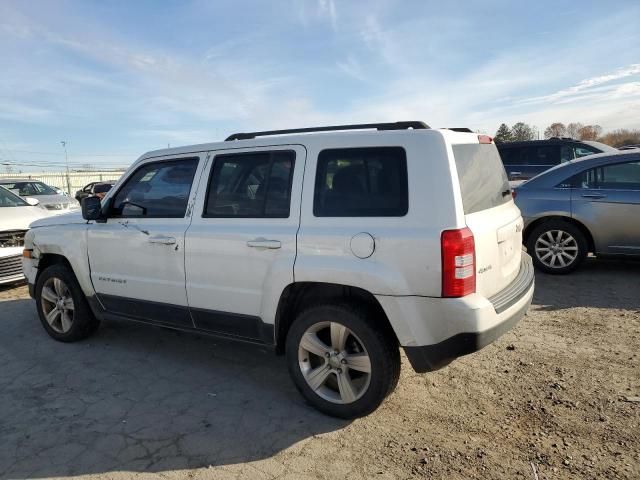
140,402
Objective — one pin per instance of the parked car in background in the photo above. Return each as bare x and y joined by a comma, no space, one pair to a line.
587,205
321,245
48,197
15,216
524,160
99,189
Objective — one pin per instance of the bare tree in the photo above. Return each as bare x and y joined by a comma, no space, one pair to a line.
621,137
589,132
556,129
573,129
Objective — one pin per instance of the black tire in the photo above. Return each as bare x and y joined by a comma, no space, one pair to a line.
84,323
379,344
540,233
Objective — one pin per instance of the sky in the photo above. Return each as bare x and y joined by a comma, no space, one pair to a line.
117,78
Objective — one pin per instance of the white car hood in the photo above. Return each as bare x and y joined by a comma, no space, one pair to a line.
63,219
52,199
19,218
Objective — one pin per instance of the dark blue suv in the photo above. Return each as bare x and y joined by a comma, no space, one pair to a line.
524,160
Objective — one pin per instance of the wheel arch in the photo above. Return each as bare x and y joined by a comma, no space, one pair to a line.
299,295
581,226
48,259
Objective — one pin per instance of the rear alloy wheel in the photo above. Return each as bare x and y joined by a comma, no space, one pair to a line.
338,371
342,359
557,247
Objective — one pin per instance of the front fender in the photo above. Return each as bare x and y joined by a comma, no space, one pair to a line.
69,242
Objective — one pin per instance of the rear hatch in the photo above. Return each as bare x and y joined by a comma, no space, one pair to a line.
490,214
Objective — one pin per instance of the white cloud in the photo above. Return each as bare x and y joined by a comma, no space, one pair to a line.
327,8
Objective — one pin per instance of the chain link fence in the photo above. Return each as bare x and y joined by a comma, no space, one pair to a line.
77,180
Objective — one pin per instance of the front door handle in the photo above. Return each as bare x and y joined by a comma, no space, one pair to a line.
593,195
162,240
264,243
515,173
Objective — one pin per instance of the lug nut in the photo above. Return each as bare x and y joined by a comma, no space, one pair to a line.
339,370
343,361
327,354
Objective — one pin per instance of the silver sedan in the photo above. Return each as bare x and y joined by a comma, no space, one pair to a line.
586,205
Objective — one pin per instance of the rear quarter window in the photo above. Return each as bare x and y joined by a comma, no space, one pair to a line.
361,182
483,181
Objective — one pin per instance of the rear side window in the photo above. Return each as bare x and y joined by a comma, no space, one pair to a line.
543,155
251,185
483,181
361,182
511,156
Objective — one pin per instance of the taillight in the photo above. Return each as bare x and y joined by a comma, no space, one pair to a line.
485,139
458,263
514,193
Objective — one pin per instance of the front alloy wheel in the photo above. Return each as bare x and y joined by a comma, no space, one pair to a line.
57,305
62,307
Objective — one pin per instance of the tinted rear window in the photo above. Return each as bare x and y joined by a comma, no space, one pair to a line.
361,182
483,181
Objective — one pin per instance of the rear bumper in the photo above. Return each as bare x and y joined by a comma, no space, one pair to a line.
436,331
433,357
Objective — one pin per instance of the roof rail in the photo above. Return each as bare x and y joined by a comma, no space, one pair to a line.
460,129
362,126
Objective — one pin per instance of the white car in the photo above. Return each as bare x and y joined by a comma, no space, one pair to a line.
50,198
15,216
335,247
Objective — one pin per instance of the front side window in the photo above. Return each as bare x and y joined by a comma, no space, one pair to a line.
583,151
250,185
566,154
361,182
159,189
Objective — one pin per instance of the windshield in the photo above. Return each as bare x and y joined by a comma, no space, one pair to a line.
8,199
30,189
603,147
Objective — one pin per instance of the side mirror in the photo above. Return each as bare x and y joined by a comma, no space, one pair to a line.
91,208
32,201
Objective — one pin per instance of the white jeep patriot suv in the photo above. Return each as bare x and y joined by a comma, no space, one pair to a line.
336,248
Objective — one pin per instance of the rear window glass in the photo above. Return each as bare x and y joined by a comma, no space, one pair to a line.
361,182
483,181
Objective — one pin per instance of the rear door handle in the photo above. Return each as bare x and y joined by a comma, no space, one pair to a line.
515,173
594,195
264,243
162,240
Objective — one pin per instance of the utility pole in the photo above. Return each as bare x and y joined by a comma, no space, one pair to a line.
66,160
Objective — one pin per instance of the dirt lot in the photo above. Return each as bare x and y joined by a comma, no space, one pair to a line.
148,402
